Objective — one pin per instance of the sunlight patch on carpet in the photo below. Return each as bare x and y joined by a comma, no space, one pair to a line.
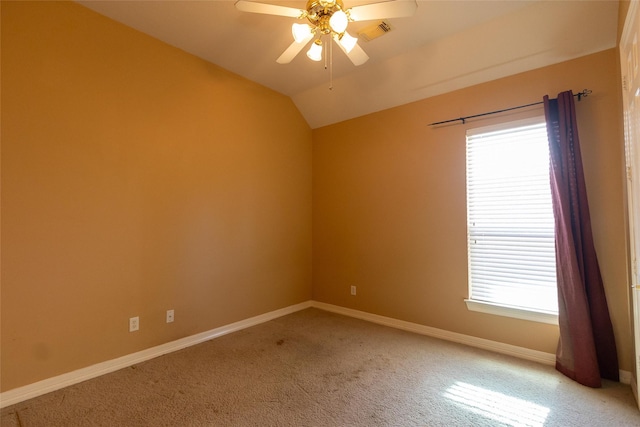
497,406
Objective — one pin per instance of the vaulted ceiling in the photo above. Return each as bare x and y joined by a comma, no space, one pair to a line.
446,45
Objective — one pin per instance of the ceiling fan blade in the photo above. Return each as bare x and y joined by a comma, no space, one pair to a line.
268,9
384,10
357,55
293,49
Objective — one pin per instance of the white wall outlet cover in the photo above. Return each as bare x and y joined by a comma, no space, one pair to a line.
134,324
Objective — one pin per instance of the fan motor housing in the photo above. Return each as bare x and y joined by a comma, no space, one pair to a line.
320,11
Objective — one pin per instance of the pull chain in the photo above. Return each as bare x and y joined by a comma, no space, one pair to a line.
330,64
326,56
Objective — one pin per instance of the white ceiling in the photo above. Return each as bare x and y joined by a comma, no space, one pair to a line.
445,46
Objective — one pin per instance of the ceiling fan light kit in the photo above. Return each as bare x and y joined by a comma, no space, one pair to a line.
329,18
301,32
338,22
326,17
347,41
315,51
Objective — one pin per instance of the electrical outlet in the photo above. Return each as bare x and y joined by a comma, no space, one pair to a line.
134,324
353,290
169,316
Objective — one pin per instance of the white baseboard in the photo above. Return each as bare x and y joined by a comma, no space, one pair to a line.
627,378
497,347
39,388
512,350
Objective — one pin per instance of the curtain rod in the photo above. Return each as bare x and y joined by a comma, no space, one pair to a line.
580,95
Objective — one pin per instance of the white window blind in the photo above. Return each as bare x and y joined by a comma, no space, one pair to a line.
510,217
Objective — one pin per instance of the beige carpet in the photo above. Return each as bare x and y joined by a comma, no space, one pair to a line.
314,368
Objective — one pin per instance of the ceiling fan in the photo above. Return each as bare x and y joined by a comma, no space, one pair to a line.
329,18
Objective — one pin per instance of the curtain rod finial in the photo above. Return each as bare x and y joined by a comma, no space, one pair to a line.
584,93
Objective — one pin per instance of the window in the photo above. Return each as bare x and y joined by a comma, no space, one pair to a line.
511,244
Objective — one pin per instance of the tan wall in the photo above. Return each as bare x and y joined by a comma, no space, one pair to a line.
137,178
389,213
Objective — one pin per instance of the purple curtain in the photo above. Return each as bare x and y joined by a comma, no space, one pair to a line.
586,349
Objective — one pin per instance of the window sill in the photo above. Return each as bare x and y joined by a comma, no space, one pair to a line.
518,313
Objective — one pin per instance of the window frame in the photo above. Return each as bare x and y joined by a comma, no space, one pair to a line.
491,307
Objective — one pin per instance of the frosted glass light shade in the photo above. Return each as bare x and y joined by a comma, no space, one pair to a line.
300,32
338,22
348,42
315,51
